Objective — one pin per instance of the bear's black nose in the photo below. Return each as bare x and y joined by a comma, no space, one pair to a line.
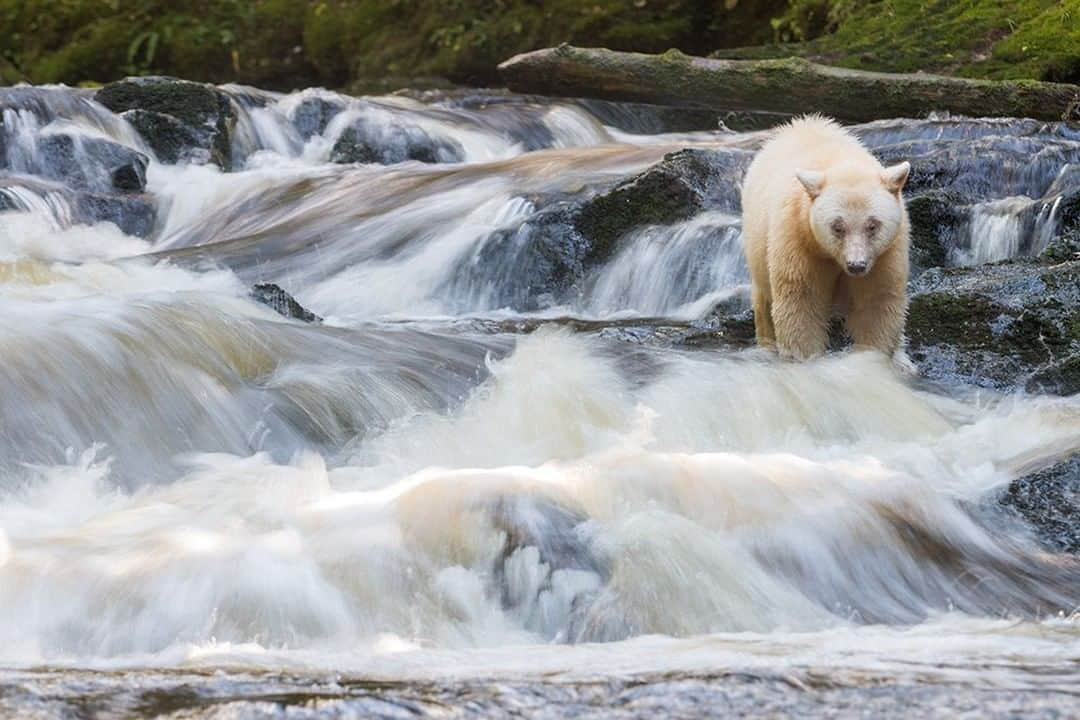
856,268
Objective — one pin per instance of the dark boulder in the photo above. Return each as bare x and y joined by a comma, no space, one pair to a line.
134,214
1049,501
181,121
1007,326
281,302
675,189
368,141
937,222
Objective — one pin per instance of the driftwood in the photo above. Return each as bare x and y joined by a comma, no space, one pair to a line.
787,86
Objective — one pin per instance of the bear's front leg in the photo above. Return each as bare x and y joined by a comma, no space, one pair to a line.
879,303
763,323
877,321
802,300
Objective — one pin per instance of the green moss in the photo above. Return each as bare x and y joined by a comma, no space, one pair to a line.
334,42
997,39
659,196
963,320
289,43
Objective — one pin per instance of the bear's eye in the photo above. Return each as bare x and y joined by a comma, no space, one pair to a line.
838,228
872,226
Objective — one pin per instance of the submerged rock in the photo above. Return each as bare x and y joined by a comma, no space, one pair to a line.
281,302
548,572
368,141
313,114
7,202
1049,500
1006,326
134,214
541,262
181,121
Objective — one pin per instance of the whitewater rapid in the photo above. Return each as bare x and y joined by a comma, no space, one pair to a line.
190,481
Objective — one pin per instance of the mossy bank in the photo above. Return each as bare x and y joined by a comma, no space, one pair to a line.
376,44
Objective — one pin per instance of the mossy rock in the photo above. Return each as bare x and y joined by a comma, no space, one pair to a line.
936,222
657,197
1007,326
180,120
673,190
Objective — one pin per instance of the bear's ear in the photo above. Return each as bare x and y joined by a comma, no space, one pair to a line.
812,180
895,176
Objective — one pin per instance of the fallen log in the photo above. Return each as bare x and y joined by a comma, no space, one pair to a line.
788,86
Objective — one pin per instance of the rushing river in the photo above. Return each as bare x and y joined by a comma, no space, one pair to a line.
445,498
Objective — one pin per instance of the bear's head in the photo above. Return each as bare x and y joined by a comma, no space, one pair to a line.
856,211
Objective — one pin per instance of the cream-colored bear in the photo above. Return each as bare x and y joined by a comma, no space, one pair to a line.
825,230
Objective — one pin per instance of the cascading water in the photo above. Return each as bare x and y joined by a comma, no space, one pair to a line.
189,480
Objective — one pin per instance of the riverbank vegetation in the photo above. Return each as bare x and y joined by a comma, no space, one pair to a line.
357,43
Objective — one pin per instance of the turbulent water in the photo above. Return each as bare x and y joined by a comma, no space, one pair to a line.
410,508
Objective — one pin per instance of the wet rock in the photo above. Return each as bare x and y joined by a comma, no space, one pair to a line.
546,260
368,141
1065,245
313,114
129,177
937,220
542,261
7,202
1049,500
984,168
91,163
181,121
281,302
675,189
134,214
1007,326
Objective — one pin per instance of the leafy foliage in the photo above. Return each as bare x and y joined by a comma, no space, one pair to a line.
288,43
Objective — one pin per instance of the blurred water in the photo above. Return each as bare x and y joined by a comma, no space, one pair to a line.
190,481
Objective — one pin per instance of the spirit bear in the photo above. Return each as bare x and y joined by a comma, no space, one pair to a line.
825,230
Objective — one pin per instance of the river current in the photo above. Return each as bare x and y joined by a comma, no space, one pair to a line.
446,499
